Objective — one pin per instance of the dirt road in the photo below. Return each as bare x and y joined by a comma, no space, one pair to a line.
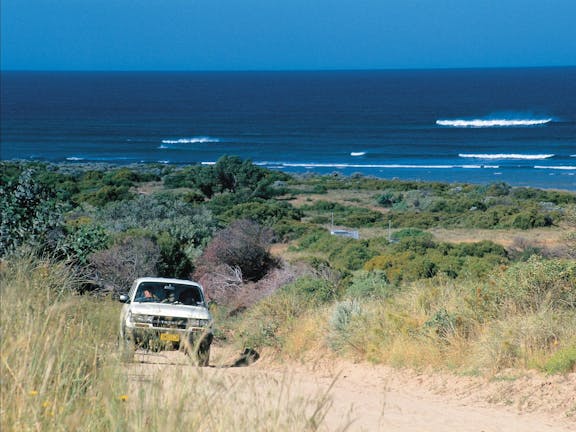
342,396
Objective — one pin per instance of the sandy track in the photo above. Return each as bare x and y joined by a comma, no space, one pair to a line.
363,397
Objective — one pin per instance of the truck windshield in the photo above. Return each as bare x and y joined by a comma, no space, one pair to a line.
154,292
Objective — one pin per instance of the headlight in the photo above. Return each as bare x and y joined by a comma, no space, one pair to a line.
142,319
195,322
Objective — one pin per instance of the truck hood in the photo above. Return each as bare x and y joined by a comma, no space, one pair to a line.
170,310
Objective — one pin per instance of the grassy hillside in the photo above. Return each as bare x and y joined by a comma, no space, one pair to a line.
475,278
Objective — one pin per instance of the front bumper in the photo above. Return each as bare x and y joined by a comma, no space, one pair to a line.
170,338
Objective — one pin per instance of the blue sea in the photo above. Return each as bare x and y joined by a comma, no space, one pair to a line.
481,126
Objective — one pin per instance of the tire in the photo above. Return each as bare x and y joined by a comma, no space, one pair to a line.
203,357
199,352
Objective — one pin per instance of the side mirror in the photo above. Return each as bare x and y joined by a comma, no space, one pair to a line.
124,298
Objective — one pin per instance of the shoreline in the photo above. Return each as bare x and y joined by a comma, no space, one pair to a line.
420,175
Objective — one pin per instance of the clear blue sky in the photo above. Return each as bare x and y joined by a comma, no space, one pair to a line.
285,34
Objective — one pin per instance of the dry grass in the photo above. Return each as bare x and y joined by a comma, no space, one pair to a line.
60,371
539,237
348,197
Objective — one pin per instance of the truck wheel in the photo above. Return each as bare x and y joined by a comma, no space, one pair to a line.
203,356
199,352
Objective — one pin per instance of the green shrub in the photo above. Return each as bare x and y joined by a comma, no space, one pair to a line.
29,214
343,315
173,261
411,232
105,195
351,216
370,285
539,284
287,230
264,212
352,256
313,290
81,241
562,361
528,219
388,199
162,216
443,323
392,264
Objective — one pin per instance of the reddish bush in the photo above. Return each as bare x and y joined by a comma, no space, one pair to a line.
225,286
244,245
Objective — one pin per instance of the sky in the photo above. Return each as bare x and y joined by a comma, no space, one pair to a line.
285,34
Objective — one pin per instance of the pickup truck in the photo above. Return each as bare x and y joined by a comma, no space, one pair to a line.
162,313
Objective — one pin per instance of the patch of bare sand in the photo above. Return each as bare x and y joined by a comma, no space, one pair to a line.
366,397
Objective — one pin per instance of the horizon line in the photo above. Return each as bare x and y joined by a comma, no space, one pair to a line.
398,69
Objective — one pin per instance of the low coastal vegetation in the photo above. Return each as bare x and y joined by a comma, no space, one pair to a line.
74,236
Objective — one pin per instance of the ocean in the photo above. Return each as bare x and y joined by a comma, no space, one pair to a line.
480,126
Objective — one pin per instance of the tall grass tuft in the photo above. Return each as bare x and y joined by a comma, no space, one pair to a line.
54,348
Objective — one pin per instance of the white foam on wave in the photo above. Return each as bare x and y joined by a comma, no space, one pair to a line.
357,153
365,166
486,123
557,167
193,140
74,158
505,156
346,165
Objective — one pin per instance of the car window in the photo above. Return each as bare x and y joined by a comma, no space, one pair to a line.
169,293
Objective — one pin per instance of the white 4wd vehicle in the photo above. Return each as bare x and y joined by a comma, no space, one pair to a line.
160,313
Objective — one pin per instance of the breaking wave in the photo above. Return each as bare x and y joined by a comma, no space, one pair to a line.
505,156
557,167
357,153
193,140
312,165
487,123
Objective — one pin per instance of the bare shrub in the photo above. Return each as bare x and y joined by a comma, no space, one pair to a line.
222,283
116,268
225,286
243,244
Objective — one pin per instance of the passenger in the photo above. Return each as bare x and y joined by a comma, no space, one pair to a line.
171,298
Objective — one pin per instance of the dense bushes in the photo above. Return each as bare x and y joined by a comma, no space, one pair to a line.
263,212
418,257
413,255
29,214
493,206
229,174
181,230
